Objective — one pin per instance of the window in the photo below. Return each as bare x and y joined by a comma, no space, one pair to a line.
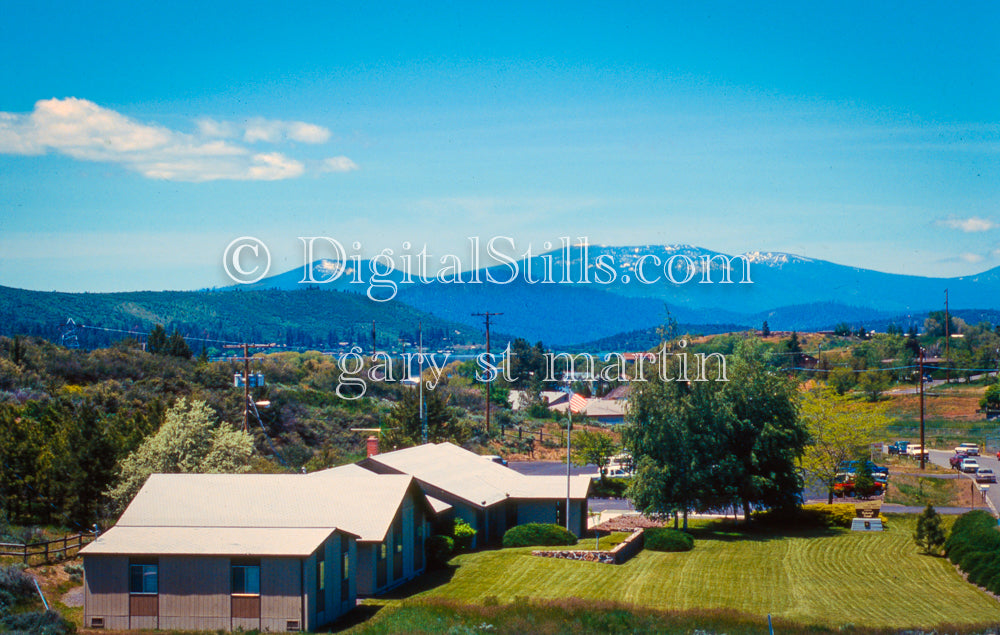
321,579
143,579
397,549
380,566
246,579
418,539
345,569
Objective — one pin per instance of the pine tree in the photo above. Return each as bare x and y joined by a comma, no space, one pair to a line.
864,484
929,535
157,340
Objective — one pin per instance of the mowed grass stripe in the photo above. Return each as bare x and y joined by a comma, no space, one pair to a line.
876,579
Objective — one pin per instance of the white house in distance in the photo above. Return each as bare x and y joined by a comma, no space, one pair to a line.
490,497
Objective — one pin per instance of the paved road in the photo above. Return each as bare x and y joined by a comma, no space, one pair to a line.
940,457
551,468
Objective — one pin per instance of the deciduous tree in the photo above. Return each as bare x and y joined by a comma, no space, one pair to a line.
190,440
839,430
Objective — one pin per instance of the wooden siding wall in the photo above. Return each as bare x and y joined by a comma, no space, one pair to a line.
281,593
105,583
365,573
194,593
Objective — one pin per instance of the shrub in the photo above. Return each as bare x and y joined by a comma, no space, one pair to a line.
538,535
47,623
663,539
464,535
75,571
15,587
439,550
815,515
974,531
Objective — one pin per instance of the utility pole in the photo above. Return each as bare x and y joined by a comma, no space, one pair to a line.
423,410
489,381
922,448
246,377
947,340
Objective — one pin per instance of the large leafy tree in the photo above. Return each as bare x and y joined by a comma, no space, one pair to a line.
709,445
762,438
190,440
839,430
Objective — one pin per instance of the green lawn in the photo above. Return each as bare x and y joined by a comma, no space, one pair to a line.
823,578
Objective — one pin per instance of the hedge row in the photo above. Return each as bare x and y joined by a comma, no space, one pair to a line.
663,539
974,545
815,515
538,535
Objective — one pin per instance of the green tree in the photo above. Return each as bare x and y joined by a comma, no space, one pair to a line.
669,423
839,430
177,346
991,398
190,440
842,380
713,444
156,342
793,346
404,428
873,383
765,330
764,438
930,535
864,484
594,447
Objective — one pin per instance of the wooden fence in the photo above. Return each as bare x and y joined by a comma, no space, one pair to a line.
45,551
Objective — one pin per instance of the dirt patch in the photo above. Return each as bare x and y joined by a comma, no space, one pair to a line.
955,404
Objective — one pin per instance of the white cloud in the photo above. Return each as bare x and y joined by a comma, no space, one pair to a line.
274,130
969,225
971,258
339,164
83,130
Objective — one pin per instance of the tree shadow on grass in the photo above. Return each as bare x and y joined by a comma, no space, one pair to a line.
727,531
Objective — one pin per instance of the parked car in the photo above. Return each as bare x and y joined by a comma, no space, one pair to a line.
496,459
899,447
969,465
843,484
852,466
969,449
916,451
985,475
956,461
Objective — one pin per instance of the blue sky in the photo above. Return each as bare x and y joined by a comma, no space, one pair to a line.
136,142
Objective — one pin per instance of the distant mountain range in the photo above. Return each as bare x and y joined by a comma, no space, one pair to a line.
596,295
578,295
303,317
